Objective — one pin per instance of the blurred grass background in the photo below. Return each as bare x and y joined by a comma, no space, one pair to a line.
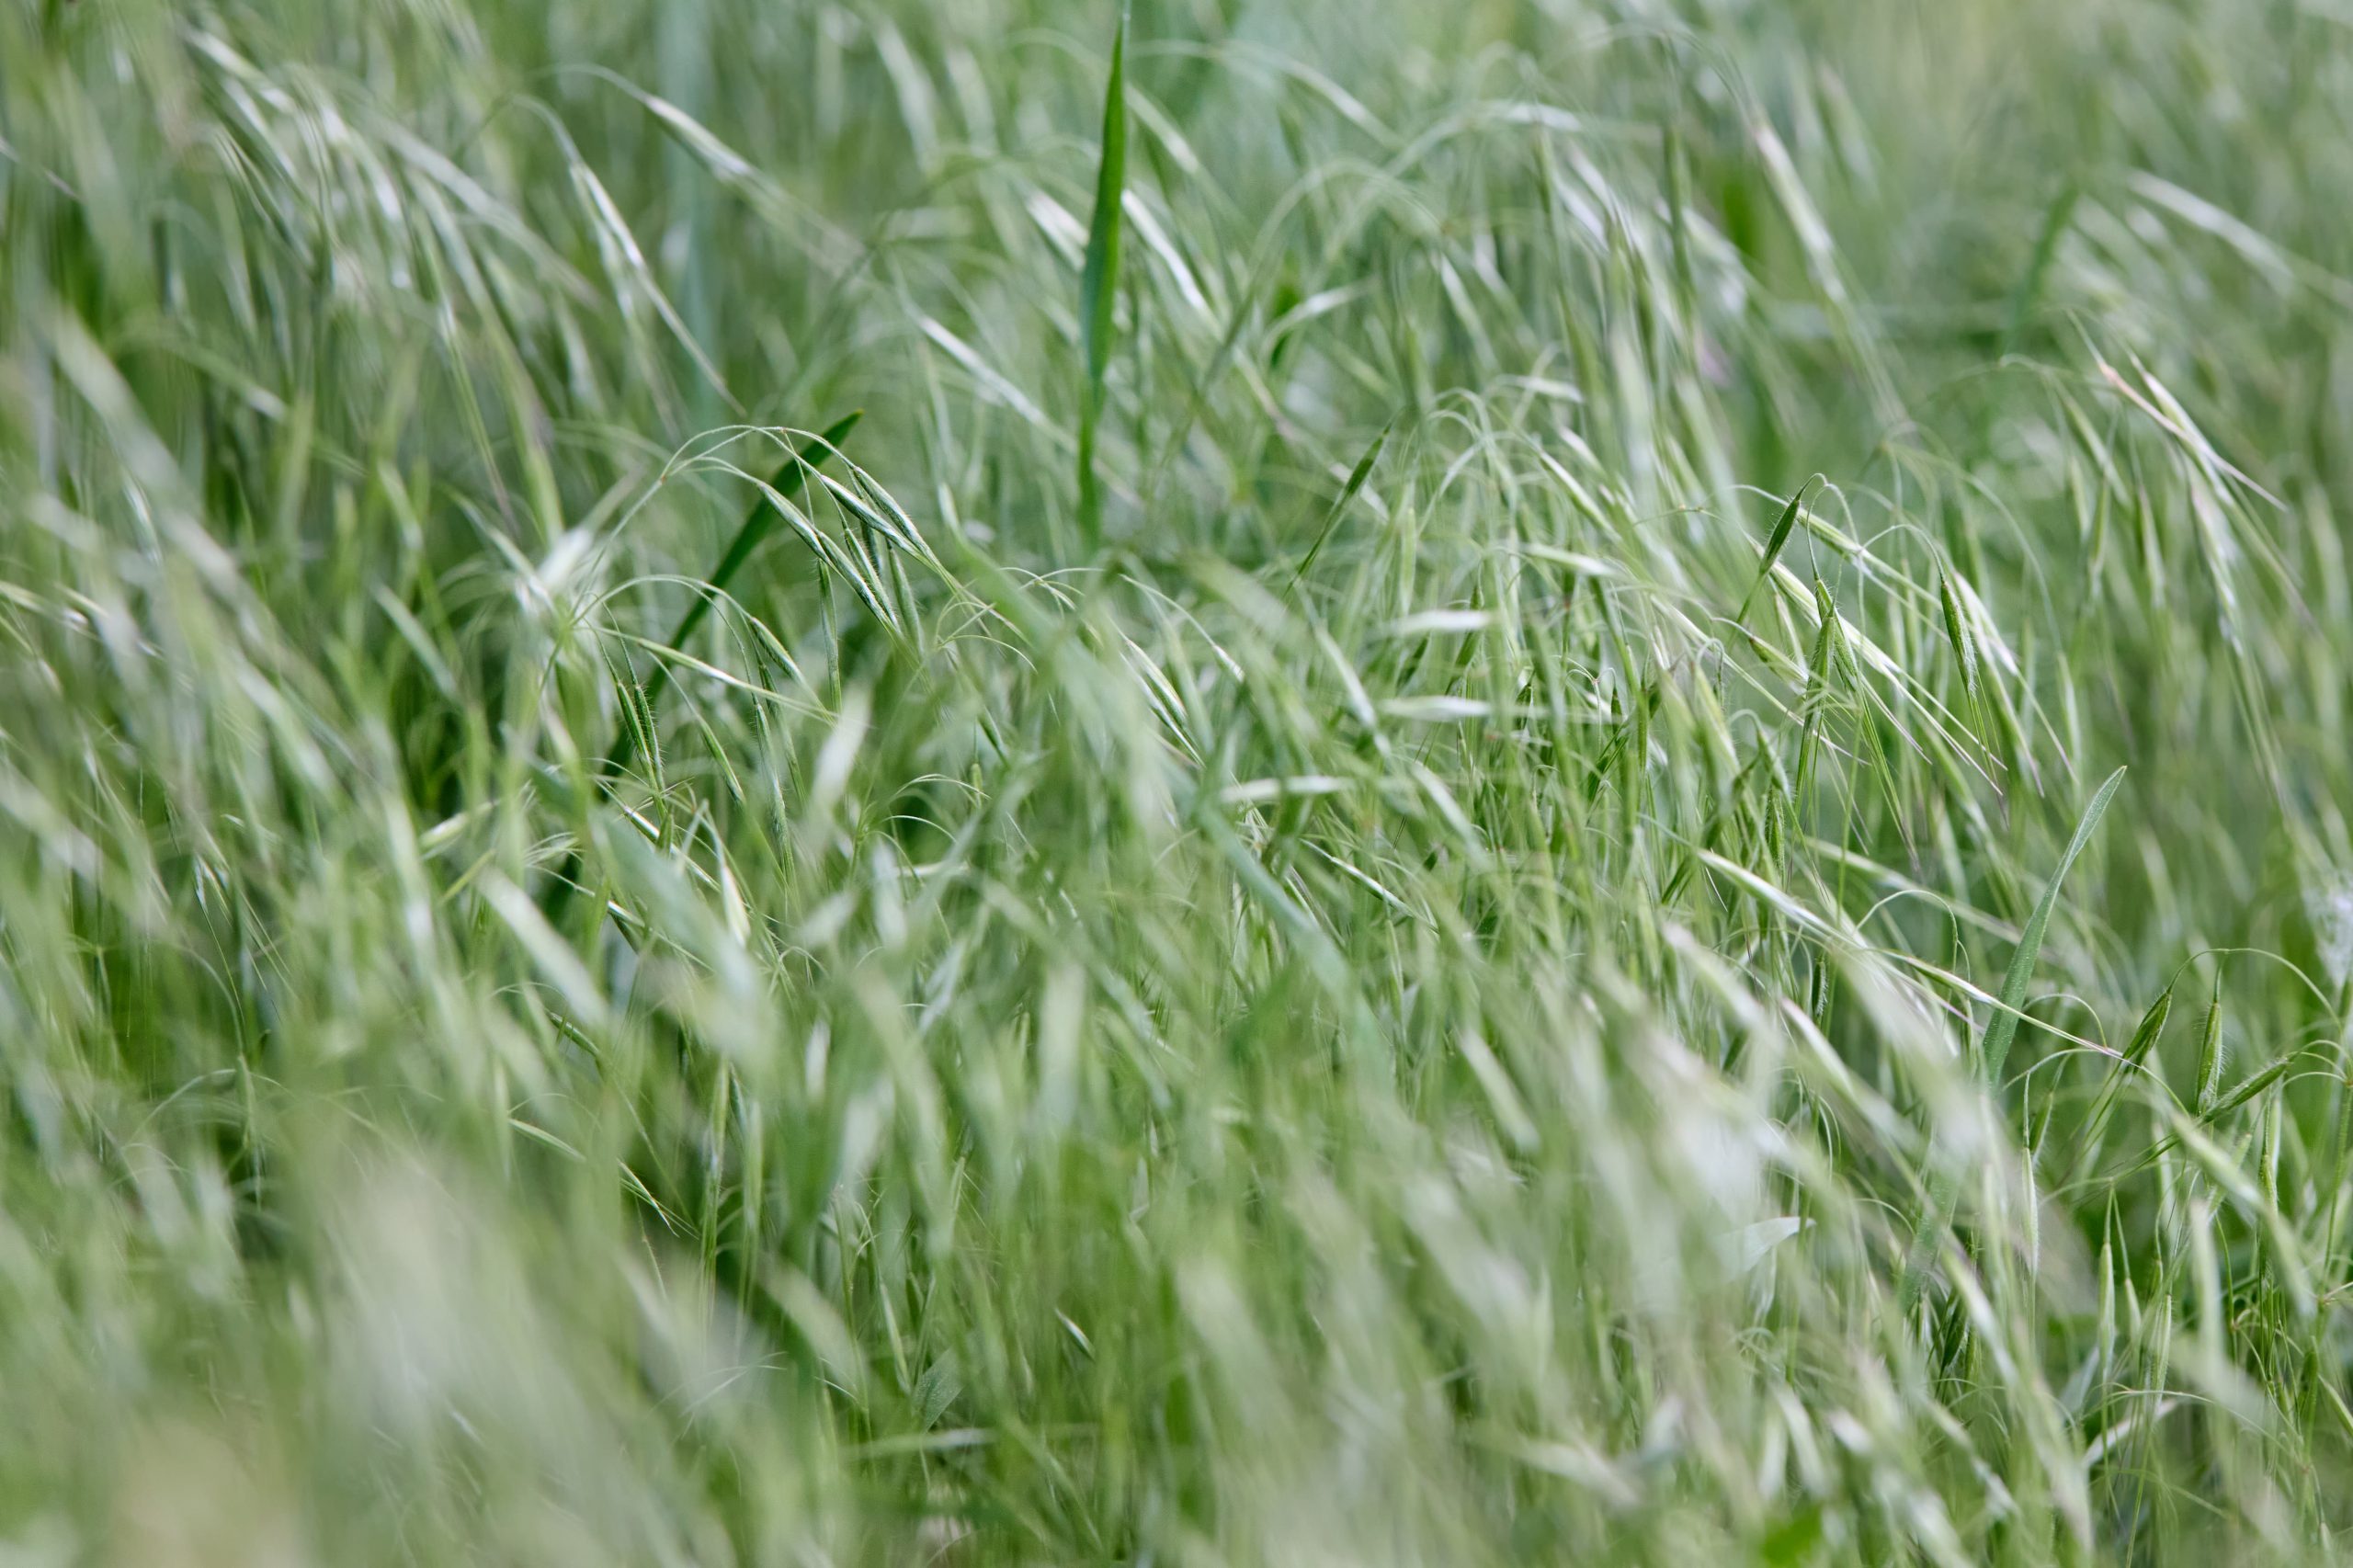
1444,971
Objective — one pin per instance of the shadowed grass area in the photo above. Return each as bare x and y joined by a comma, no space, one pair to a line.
1297,896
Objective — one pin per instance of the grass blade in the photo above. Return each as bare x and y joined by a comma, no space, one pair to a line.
1099,282
758,525
1994,1048
639,708
2046,245
2004,1025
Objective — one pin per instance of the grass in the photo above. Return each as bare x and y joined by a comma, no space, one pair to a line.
1307,902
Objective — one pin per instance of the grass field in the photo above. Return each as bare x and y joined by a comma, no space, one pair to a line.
1337,781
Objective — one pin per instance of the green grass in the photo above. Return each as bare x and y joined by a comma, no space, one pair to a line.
1310,905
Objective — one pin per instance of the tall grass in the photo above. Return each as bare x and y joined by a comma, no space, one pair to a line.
1304,903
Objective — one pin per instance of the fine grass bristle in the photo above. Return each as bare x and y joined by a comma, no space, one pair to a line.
1298,903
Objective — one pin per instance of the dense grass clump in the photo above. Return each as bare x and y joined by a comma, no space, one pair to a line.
1296,781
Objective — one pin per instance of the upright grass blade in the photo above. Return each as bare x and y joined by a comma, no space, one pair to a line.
1994,1050
1773,544
1678,202
1100,283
